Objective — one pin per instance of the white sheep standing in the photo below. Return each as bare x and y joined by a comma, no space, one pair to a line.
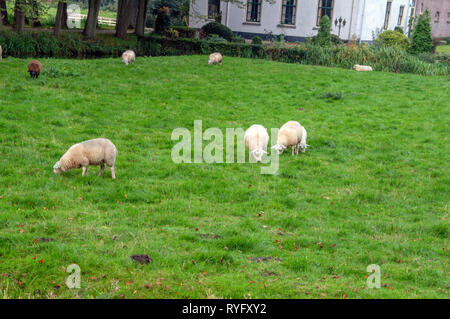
362,68
128,57
291,134
256,140
92,152
215,58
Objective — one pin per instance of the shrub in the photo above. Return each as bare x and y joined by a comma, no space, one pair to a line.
426,57
238,39
393,38
215,38
324,35
422,40
185,32
399,29
162,22
334,40
172,33
219,29
256,40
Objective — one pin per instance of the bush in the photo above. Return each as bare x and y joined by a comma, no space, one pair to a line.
393,38
172,33
219,29
185,32
162,22
215,38
422,40
238,39
334,40
426,57
256,40
324,35
399,29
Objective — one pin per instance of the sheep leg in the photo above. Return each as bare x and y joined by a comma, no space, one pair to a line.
296,149
85,169
113,172
292,148
102,169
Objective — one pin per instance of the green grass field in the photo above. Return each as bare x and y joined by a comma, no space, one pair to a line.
373,188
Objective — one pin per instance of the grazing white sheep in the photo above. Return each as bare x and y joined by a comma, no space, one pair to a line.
92,152
361,68
215,58
291,134
256,140
128,57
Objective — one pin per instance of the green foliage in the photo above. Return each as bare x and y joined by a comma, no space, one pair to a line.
172,33
162,22
185,32
238,39
219,29
215,38
393,38
71,45
257,40
426,57
399,29
324,35
422,40
335,40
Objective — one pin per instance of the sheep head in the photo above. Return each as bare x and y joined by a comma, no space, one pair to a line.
279,148
258,154
57,168
303,147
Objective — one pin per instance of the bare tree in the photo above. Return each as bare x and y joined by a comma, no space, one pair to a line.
3,12
19,16
142,15
91,23
59,18
124,14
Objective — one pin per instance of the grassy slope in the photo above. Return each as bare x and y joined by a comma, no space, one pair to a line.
373,187
443,49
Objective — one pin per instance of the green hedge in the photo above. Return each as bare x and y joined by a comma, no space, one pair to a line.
71,45
185,32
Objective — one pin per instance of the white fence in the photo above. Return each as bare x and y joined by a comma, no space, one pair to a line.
101,20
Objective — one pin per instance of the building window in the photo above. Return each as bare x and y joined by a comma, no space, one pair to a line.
288,10
421,7
400,15
325,8
436,17
253,11
387,17
213,8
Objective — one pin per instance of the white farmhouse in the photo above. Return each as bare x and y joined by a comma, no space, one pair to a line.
299,19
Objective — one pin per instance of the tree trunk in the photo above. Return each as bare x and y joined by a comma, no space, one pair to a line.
91,23
59,18
142,15
64,16
19,16
124,11
3,12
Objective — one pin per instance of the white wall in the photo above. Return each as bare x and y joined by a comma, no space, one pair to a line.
362,16
374,14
